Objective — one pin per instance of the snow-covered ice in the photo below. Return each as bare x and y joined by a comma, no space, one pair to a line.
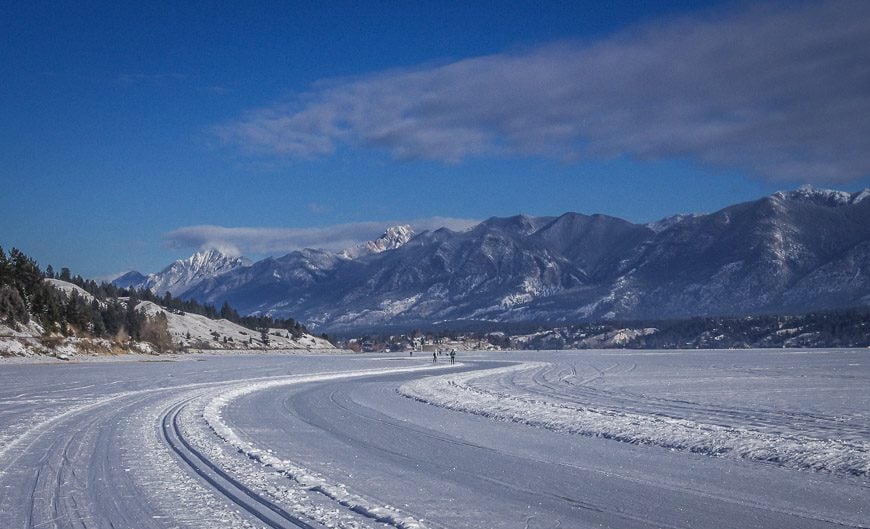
539,440
513,394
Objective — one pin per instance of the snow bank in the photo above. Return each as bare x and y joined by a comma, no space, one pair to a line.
466,392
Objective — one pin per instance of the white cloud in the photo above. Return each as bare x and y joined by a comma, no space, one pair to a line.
254,240
779,93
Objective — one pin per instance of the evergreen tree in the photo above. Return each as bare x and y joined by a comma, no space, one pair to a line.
12,307
228,313
78,312
26,273
98,326
6,275
133,319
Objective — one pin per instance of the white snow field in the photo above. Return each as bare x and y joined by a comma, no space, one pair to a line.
568,439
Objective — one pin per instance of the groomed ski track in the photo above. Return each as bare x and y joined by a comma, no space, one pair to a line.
316,442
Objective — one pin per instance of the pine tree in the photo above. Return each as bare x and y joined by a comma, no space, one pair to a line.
6,274
12,307
228,313
133,319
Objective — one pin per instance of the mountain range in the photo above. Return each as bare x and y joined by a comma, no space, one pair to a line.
789,252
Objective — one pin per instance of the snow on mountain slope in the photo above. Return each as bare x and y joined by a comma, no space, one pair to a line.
193,330
184,274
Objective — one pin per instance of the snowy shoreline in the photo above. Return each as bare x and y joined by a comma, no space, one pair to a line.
166,357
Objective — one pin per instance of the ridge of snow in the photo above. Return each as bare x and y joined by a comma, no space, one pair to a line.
469,392
668,222
860,196
828,197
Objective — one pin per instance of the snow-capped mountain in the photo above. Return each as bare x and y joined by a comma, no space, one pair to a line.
183,274
792,251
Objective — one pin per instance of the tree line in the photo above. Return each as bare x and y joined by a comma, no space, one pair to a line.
830,328
24,295
111,313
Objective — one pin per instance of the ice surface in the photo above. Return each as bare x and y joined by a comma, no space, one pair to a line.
514,393
584,439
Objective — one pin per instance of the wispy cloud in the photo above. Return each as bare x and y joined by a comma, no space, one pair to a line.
778,93
149,78
216,90
315,207
254,240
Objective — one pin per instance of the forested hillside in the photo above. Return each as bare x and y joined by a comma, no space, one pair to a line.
53,306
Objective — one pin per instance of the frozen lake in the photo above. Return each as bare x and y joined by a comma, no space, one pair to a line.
566,439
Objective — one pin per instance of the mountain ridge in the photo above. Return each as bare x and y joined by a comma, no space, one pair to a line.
771,254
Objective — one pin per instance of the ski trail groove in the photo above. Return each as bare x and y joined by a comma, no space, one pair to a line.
261,508
307,480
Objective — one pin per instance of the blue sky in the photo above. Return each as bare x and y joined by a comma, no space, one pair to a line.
134,134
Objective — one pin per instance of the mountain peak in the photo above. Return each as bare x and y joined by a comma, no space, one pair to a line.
519,224
392,238
209,259
186,273
131,279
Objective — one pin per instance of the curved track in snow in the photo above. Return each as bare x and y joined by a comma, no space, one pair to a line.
463,470
266,511
317,442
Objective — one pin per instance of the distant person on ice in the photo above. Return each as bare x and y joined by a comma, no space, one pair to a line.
434,357
453,356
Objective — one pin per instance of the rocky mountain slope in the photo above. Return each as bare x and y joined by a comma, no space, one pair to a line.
795,251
